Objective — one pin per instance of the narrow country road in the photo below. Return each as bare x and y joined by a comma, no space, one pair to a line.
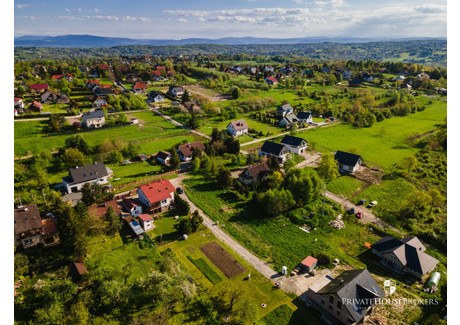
220,234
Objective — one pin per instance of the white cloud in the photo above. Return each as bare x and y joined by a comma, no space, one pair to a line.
182,20
431,8
79,9
116,18
96,10
26,17
21,5
332,3
67,9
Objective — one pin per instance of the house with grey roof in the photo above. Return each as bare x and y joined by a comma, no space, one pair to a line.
405,256
80,175
93,119
288,120
294,144
284,110
176,91
347,162
346,299
278,150
305,117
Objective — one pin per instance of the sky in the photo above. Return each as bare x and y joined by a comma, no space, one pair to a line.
180,19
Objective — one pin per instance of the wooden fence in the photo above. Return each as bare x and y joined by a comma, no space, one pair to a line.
145,180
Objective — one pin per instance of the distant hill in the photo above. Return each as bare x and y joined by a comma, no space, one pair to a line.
91,41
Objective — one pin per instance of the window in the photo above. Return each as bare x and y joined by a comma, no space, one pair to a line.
331,299
339,303
28,241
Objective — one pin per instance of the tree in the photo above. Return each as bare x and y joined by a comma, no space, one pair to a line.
436,198
276,201
77,142
79,314
293,129
114,221
21,265
131,150
91,193
273,163
196,162
174,162
197,219
409,163
185,96
327,168
56,122
304,185
236,92
417,201
74,157
224,177
115,157
185,226
181,206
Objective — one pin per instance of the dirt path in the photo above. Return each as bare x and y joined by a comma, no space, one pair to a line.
208,93
257,263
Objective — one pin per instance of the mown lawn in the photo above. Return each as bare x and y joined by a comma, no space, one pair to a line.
344,185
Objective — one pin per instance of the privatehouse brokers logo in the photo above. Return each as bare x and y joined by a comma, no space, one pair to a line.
389,286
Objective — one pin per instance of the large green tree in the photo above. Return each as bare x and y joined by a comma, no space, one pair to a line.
327,168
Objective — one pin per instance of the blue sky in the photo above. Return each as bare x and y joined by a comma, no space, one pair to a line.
214,19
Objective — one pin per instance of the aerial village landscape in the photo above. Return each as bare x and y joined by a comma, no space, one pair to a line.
252,183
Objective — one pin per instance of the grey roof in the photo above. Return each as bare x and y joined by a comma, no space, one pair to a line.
176,88
92,114
290,118
346,158
410,252
88,172
273,148
239,124
26,219
303,115
293,141
356,285
285,108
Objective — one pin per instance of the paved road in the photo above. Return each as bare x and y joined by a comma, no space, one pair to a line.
257,263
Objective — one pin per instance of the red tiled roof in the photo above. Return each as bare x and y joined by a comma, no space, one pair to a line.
99,210
145,217
49,227
92,81
37,104
17,99
158,190
39,86
104,66
106,86
158,73
161,67
57,76
309,261
138,85
273,79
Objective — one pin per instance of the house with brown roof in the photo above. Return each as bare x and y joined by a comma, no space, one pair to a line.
405,256
49,96
50,233
35,107
157,196
163,157
99,210
238,127
185,151
132,206
27,226
77,270
254,174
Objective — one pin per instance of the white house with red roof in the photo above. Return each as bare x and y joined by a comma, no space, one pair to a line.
39,87
133,207
18,103
157,196
146,221
140,87
271,81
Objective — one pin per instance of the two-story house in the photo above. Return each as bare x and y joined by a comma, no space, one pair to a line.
278,150
185,151
93,119
254,174
294,144
79,176
27,226
157,196
238,127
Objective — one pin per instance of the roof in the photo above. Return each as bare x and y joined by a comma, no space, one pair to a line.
92,114
309,261
409,251
39,86
140,85
272,79
273,148
187,149
290,118
17,99
136,227
293,141
163,154
129,203
158,190
145,217
285,108
80,267
99,210
88,172
49,227
239,125
346,158
303,115
257,171
154,94
36,104
26,219
354,286
176,88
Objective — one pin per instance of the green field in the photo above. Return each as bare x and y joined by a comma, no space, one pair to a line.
344,185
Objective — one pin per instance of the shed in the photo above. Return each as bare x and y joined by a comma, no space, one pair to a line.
308,264
77,270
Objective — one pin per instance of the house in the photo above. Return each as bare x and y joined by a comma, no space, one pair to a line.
157,196
355,83
271,81
347,299
39,87
50,233
347,75
93,119
48,96
27,226
252,70
131,78
347,162
405,256
288,120
367,77
163,157
102,91
83,69
62,99
185,151
399,78
269,69
98,101
35,107
294,144
238,127
254,173
140,87
99,210
146,221
308,264
176,91
326,70
278,150
284,110
304,117
93,73
132,206
66,76
155,97
423,76
18,103
79,176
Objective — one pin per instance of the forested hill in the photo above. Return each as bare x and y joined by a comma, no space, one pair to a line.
426,52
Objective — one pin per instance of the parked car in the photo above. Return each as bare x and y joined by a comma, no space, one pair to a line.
362,202
372,204
179,190
351,211
359,215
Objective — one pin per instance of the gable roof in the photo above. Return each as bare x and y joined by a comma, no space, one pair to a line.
129,203
293,141
49,227
36,104
176,89
309,261
187,149
239,125
409,251
354,285
158,190
273,148
285,108
257,171
145,217
39,86
88,172
304,115
290,118
26,219
140,85
163,154
272,79
99,210
347,158
92,114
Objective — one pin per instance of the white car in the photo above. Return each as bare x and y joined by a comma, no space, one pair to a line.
372,204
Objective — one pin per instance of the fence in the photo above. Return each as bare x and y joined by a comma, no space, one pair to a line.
145,180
